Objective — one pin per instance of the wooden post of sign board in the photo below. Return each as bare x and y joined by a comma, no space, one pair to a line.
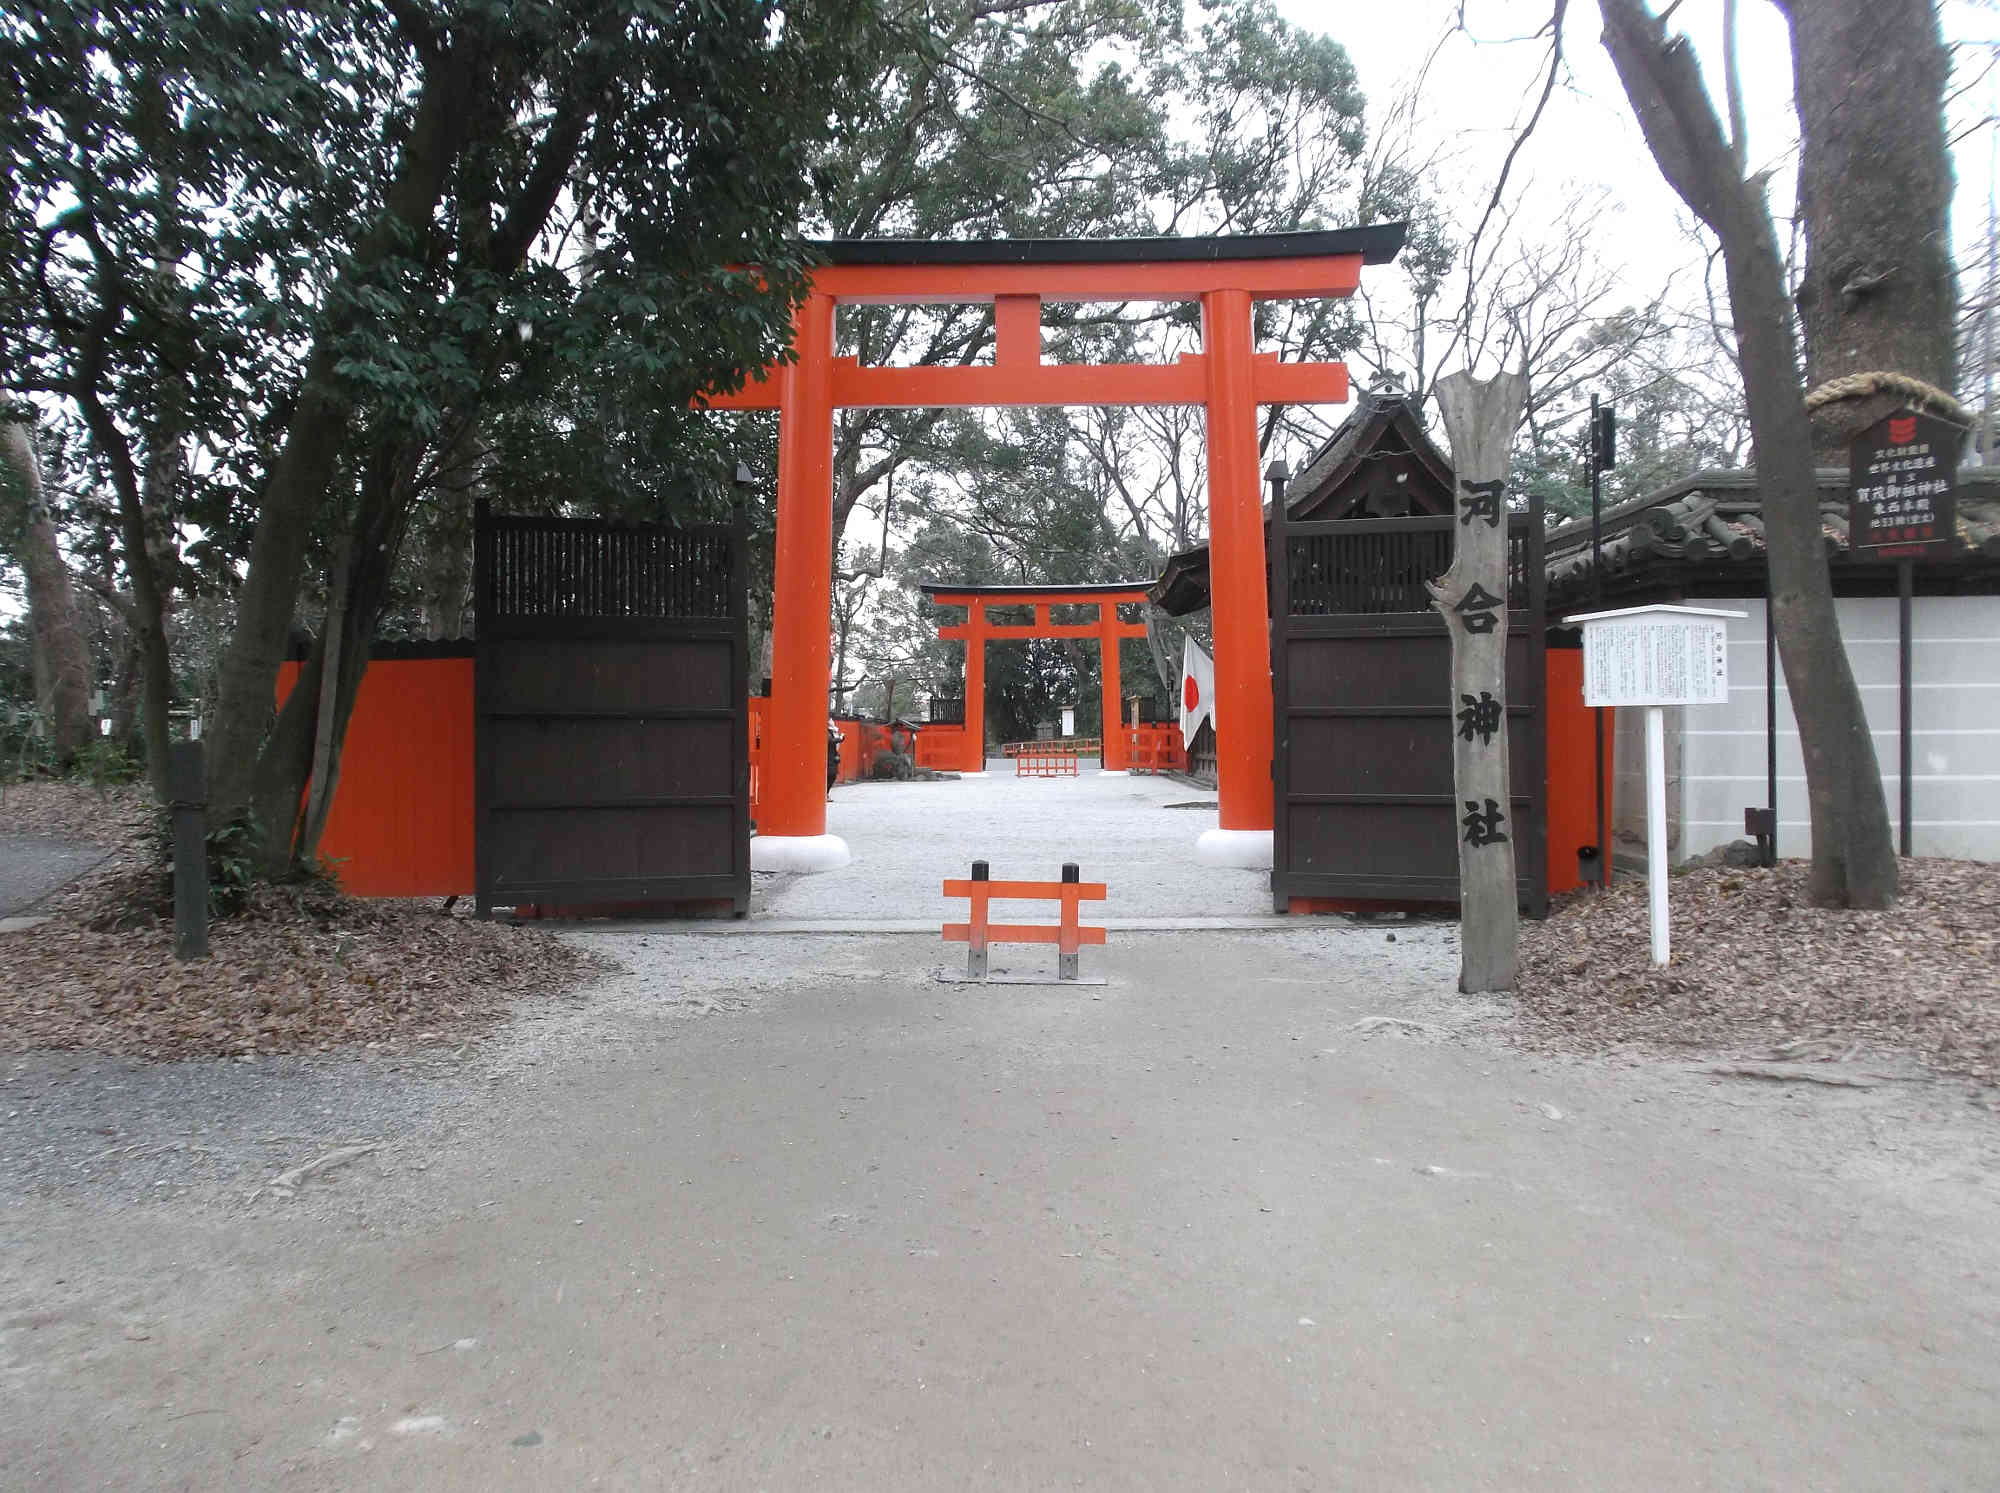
1480,420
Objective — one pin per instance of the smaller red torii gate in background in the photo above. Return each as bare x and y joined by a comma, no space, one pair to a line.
977,630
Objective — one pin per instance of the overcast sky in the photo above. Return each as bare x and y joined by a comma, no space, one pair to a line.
1481,86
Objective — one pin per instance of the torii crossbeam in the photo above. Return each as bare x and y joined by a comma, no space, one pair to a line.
1227,377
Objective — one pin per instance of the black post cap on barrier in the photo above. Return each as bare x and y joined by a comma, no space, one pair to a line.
1071,871
979,871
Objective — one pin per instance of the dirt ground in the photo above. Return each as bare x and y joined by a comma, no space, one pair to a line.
768,1212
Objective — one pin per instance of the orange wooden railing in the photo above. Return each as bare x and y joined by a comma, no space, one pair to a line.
757,709
1068,935
1043,759
1078,746
1155,748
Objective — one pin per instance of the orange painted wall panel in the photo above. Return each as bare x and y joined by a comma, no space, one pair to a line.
861,742
1572,739
941,747
402,819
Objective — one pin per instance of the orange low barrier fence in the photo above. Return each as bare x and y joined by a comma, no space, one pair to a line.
1045,760
1050,759
1155,749
1069,933
1082,746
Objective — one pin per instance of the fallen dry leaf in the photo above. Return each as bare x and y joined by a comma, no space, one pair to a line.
1757,969
302,969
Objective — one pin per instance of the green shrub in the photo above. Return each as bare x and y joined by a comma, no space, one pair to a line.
103,762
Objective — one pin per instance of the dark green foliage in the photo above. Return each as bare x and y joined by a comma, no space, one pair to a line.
233,867
105,761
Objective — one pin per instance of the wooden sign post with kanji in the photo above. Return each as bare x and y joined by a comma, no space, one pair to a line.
1480,420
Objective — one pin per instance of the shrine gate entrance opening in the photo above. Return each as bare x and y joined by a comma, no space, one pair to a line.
979,629
1228,377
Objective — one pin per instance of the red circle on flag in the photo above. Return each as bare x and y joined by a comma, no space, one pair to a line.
1190,692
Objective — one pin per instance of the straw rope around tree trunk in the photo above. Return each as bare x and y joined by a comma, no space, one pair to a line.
1907,386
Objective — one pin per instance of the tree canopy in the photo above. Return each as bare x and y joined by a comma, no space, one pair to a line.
290,265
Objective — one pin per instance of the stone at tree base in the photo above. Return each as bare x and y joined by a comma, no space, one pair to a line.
893,767
1741,854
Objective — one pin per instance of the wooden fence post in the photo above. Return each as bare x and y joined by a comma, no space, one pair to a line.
1066,938
187,795
1480,420
975,945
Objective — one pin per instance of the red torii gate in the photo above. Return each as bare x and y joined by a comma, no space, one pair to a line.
1228,378
978,630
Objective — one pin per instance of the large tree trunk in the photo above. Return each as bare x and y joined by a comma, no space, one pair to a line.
159,501
314,439
444,572
1875,186
1854,862
304,739
61,655
138,546
1480,419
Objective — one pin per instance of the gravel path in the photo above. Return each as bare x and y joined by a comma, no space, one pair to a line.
777,1212
908,837
32,866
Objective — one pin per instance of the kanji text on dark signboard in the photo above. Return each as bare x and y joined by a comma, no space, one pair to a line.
1904,471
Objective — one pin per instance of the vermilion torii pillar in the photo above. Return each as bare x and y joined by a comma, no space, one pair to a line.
977,630
1228,378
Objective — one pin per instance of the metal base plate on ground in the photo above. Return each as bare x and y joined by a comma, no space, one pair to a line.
1005,977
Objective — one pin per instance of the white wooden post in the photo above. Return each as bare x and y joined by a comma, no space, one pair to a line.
1656,829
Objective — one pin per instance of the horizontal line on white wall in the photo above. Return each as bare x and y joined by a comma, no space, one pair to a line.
1888,778
1915,686
1915,638
1694,732
1792,731
1915,824
1880,640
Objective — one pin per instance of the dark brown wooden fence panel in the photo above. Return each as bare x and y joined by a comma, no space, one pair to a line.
611,669
1361,674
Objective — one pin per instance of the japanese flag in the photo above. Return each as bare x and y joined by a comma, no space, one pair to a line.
1197,689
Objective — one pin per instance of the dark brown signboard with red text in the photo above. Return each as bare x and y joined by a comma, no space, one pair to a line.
1904,475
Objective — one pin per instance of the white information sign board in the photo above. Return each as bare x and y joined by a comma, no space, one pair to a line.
1658,655
1654,657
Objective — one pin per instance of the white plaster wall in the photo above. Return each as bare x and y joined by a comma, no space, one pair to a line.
1628,790
1955,722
